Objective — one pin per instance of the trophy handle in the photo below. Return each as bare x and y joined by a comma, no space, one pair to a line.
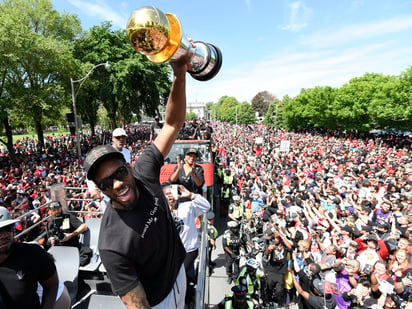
212,62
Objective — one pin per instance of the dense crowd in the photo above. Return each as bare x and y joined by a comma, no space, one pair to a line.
336,207
335,210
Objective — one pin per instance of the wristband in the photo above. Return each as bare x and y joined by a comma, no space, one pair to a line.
398,279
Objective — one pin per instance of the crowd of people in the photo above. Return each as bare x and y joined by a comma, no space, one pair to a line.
334,209
335,212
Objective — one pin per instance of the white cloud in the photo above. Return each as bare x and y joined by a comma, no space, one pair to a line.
100,10
299,17
358,32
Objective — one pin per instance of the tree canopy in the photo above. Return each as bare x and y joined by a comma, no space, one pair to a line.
36,58
42,51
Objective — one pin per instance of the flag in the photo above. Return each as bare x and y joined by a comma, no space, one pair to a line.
330,288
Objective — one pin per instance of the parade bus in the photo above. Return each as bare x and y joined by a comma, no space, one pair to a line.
204,159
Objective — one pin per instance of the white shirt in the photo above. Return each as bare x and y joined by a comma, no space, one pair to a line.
188,212
126,154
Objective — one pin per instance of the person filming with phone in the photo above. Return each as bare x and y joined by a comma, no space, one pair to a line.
186,206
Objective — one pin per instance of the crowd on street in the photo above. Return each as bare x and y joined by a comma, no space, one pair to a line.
333,209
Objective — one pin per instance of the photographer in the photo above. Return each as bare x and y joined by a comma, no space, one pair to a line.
63,229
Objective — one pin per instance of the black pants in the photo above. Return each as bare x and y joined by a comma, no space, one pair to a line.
232,266
191,275
190,265
275,290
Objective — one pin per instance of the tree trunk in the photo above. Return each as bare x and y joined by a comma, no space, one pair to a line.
9,135
92,128
39,131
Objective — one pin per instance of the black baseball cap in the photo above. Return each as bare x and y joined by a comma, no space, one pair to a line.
97,155
372,237
191,150
55,204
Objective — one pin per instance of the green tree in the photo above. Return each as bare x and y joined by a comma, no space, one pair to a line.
37,82
8,59
226,108
261,101
352,101
391,104
245,113
313,106
271,117
132,86
294,114
191,115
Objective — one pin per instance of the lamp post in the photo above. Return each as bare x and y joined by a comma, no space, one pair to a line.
74,94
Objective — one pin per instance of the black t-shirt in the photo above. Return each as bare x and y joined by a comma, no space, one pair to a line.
187,180
19,274
67,223
142,244
277,260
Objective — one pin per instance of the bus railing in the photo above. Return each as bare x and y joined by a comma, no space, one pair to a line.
202,267
202,277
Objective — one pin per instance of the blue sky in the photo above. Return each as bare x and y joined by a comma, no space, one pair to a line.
279,46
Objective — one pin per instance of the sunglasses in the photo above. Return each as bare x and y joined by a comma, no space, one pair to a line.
119,174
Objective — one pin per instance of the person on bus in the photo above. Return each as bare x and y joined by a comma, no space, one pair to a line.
22,266
63,229
185,214
138,242
188,173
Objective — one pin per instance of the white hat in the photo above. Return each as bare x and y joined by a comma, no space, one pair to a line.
119,132
5,218
236,198
232,224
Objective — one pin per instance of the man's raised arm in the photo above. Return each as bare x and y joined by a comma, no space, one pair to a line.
176,106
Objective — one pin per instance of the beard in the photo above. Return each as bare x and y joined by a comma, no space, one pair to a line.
127,206
130,205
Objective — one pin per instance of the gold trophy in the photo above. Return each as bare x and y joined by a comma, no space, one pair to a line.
159,37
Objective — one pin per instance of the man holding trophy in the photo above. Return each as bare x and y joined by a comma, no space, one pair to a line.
138,242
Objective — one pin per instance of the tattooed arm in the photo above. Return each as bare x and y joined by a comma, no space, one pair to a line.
136,298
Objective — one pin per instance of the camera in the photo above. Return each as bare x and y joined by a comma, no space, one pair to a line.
56,231
59,235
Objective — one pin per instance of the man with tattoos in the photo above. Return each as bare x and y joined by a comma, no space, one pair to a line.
138,243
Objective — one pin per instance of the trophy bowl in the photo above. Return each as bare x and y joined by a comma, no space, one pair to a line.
159,37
